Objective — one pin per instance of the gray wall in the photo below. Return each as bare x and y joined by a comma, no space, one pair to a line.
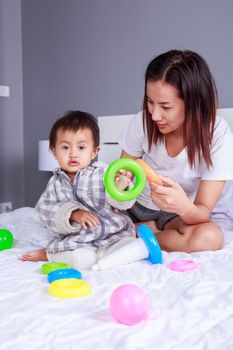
92,55
11,108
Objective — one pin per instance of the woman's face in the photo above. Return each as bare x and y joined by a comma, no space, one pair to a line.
165,106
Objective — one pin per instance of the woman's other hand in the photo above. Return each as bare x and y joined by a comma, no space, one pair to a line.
170,198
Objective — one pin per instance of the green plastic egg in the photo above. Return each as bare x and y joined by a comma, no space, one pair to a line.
6,239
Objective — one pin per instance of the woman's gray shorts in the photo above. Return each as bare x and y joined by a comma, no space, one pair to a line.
140,213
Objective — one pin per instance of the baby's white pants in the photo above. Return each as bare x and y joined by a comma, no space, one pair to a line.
85,258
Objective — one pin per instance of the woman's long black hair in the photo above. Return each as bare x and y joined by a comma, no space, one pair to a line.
189,73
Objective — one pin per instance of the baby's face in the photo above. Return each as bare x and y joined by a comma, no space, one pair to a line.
74,150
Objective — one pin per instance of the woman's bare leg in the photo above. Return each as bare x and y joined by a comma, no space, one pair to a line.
178,236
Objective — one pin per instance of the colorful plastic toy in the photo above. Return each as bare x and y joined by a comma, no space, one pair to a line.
154,251
183,265
129,304
69,288
52,266
109,179
145,246
6,239
63,273
150,173
141,170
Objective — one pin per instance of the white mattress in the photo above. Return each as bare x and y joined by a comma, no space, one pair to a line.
189,310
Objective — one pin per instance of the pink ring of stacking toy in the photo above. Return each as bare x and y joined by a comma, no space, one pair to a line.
183,265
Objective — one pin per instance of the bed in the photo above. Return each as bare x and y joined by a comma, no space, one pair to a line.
188,310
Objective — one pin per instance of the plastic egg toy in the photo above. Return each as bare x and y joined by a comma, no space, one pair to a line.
129,304
6,239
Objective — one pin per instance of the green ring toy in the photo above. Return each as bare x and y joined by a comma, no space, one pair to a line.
109,179
52,266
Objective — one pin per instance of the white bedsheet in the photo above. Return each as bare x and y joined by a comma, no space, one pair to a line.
190,310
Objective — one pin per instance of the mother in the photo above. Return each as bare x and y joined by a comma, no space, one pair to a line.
179,135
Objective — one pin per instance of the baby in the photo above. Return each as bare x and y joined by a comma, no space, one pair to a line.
75,205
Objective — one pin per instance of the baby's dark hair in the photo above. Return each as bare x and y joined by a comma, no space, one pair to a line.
73,121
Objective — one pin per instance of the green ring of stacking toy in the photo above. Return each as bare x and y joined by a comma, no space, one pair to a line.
109,179
52,266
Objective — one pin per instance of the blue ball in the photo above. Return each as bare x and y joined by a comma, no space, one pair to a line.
64,273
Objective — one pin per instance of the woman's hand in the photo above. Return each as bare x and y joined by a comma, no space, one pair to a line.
85,218
170,198
123,179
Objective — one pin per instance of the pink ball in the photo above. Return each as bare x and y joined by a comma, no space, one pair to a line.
129,304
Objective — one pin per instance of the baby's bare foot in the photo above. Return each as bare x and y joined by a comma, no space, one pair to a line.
35,255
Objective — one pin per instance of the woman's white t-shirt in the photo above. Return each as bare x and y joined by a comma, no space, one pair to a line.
134,142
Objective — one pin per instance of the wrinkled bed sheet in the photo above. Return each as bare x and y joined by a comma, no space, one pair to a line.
189,310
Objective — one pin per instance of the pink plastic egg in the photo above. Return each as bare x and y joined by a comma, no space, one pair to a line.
129,304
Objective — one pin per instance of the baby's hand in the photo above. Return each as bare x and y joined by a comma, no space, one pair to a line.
85,218
123,179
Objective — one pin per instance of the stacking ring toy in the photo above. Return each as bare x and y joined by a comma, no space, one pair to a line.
109,179
69,288
52,266
155,253
63,273
183,265
150,173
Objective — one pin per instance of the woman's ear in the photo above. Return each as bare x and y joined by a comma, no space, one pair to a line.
95,152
